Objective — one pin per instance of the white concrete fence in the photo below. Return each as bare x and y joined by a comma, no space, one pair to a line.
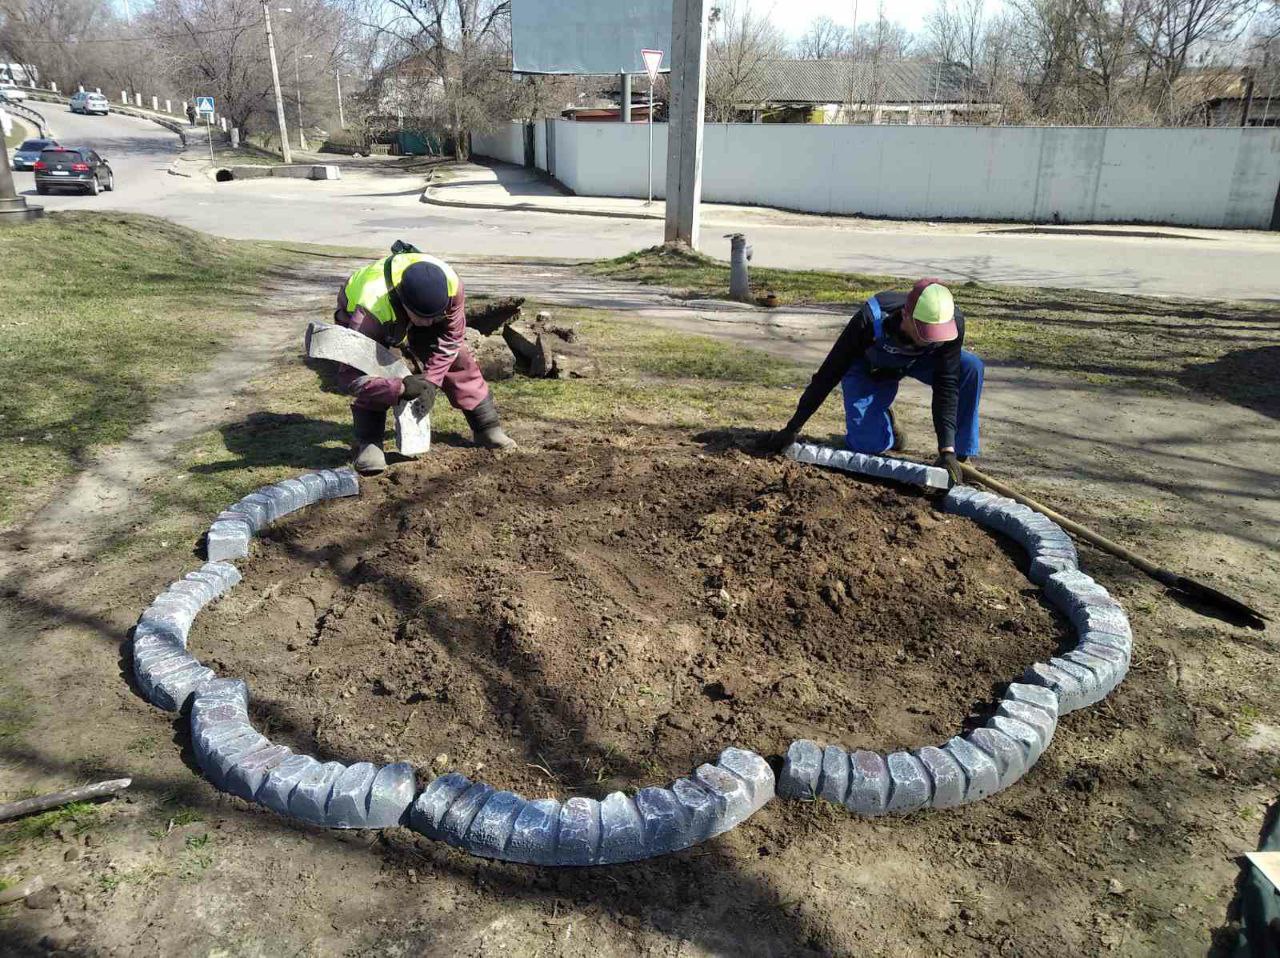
1220,177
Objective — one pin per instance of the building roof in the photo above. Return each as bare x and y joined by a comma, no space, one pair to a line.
859,81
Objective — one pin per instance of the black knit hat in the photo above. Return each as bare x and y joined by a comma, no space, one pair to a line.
424,289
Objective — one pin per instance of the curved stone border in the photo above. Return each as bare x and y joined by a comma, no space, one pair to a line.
474,817
881,467
989,759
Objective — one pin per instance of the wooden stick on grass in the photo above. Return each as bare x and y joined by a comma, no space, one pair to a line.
29,806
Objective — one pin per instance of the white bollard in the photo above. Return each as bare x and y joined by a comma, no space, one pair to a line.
98,90
223,121
137,99
235,138
80,88
155,105
168,106
53,86
124,97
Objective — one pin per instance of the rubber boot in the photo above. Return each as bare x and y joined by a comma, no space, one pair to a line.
899,437
483,421
370,426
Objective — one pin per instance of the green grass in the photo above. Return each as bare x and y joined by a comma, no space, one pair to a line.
1224,349
105,313
19,134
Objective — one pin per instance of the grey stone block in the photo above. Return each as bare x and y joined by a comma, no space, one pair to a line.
701,807
1109,674
349,800
1031,716
833,785
665,820
198,589
981,777
963,500
341,345
148,631
1010,759
221,575
348,482
1102,618
283,779
1044,567
801,770
1065,685
456,821
150,653
293,496
621,830
1122,645
869,783
731,794
1022,733
261,507
213,737
332,483
227,540
232,692
281,501
171,692
250,770
1110,653
912,786
223,758
1068,589
579,840
391,795
213,716
149,672
214,749
298,489
413,428
947,775
309,800
1042,698
754,772
1089,680
315,485
433,803
878,466
534,834
491,828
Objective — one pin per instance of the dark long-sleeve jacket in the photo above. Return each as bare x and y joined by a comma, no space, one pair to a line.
891,357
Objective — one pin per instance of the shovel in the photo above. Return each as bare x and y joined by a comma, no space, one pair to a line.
1177,583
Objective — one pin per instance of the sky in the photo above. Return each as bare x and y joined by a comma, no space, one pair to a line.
794,16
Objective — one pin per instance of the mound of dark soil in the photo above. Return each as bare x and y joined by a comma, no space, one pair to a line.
608,614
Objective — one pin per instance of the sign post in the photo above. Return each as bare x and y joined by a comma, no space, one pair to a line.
652,63
204,108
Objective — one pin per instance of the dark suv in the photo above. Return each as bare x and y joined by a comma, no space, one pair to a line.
77,168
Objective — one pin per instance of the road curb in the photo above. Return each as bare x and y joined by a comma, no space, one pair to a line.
431,200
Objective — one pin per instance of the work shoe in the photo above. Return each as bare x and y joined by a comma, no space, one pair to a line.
899,437
486,426
370,426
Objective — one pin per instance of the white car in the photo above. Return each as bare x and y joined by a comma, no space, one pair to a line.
12,92
86,102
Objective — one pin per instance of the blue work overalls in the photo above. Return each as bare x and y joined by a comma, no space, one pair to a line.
867,400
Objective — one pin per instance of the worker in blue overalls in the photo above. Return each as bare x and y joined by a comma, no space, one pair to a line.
918,334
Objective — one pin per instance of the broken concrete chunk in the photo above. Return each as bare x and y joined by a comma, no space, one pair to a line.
833,786
579,841
912,786
341,345
534,834
349,800
621,830
801,771
391,795
981,777
869,783
947,775
309,800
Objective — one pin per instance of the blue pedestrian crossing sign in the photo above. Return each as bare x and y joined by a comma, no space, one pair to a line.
204,105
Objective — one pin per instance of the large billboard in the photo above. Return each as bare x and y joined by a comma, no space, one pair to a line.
588,36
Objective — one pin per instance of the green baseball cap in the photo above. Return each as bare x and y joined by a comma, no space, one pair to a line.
933,311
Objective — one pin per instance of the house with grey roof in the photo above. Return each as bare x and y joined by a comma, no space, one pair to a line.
864,91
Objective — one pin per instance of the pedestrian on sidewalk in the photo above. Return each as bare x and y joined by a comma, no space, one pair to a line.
415,302
918,334
191,114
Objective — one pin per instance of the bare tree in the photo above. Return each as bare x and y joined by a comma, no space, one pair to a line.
942,32
824,40
740,47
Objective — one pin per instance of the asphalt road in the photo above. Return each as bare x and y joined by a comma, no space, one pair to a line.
372,210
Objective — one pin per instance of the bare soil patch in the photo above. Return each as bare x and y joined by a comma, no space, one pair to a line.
610,614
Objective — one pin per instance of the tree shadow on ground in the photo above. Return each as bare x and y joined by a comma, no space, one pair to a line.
1246,377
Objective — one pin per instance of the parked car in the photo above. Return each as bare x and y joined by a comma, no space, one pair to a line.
28,151
79,168
85,102
12,92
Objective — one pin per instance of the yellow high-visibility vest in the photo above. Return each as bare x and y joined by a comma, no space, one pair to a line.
367,286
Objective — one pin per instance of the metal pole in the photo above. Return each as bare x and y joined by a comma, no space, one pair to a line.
208,122
275,79
342,120
297,81
650,200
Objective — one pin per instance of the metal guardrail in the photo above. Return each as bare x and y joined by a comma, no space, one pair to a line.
26,113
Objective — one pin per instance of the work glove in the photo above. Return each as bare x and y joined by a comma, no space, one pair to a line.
949,462
776,443
419,387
